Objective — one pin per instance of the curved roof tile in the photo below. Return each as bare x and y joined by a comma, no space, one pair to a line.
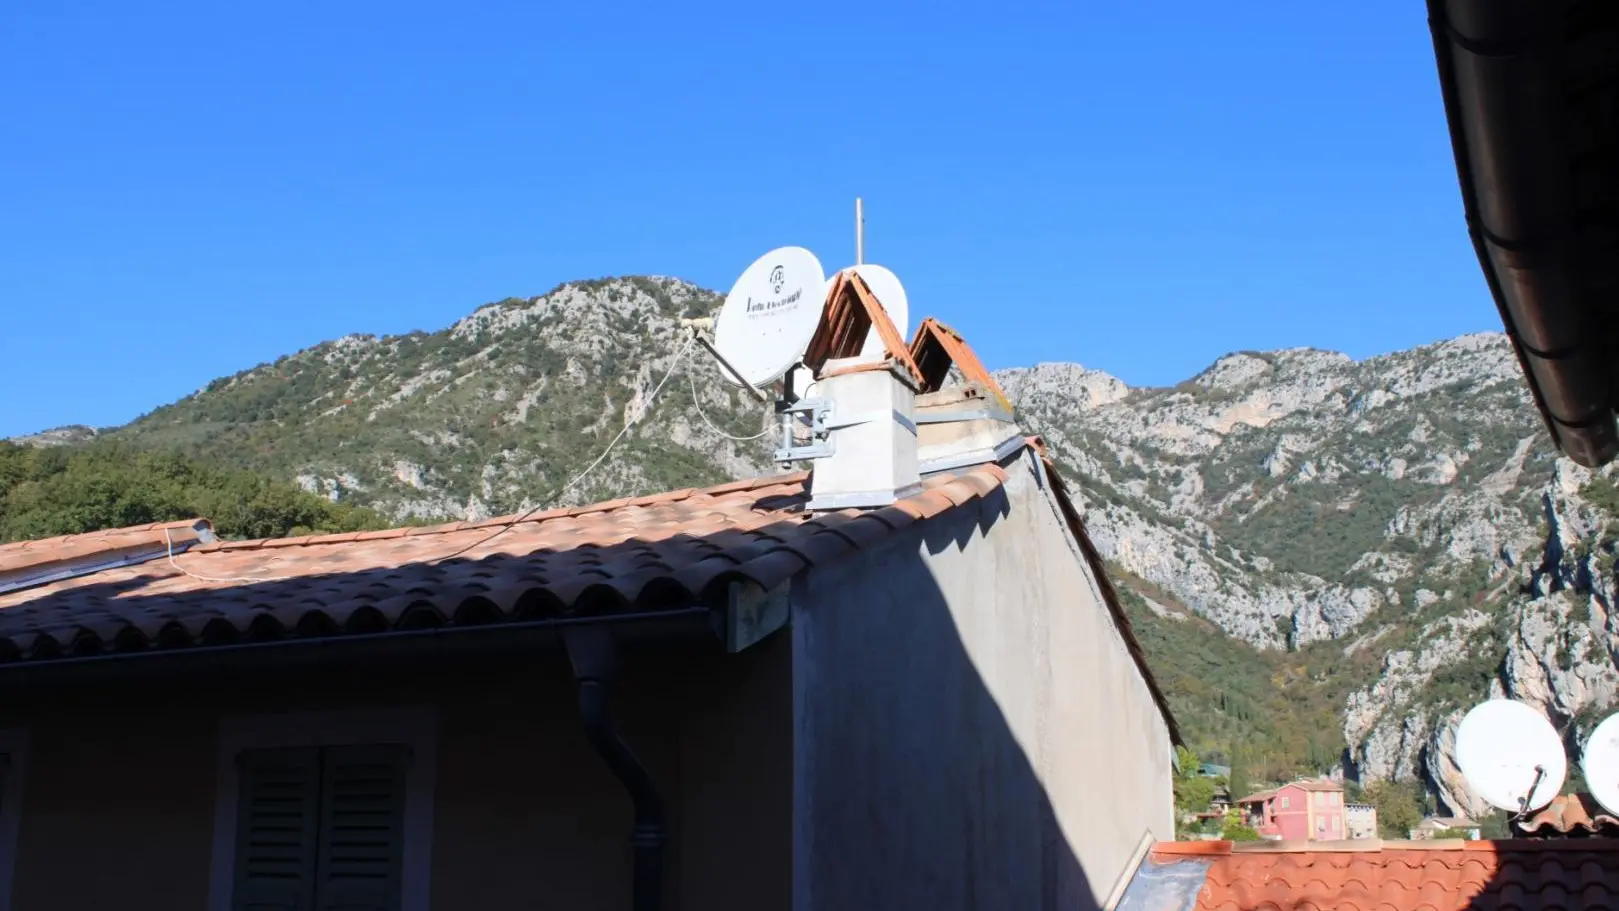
1389,876
641,553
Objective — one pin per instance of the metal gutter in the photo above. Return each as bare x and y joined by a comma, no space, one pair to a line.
693,625
1503,70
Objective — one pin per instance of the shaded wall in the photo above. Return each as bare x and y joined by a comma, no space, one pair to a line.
118,803
972,732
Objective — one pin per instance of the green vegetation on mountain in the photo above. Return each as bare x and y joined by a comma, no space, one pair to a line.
1271,715
60,490
484,417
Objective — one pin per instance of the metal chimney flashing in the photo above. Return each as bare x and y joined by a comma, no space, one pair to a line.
107,550
963,426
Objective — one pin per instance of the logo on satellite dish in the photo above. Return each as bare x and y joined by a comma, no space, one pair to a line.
777,279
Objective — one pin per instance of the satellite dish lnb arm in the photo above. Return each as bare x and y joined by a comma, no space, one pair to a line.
695,327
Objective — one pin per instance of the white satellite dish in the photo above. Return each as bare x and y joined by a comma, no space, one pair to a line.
890,293
804,384
1601,764
1505,749
770,315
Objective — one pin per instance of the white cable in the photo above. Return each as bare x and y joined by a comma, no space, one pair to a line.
711,426
167,539
646,408
631,421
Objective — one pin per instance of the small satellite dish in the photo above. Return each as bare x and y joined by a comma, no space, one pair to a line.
1511,755
1601,764
770,315
890,293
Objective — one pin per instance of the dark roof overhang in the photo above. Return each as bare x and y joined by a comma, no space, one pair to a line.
1531,92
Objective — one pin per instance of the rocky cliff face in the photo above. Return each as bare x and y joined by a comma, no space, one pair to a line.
1407,505
1404,513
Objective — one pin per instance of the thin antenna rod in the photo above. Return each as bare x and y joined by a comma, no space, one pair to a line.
859,232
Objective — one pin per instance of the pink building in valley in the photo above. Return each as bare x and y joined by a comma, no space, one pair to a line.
1300,811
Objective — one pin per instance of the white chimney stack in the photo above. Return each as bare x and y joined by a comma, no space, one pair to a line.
871,435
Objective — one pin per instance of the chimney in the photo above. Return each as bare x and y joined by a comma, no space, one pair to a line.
963,425
869,457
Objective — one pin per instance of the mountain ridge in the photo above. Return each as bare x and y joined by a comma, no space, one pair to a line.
1382,540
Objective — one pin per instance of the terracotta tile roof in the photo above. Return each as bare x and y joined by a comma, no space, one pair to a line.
1306,785
936,347
1446,875
646,553
852,312
1571,815
1315,784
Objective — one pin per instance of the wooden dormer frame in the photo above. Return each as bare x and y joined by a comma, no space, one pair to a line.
937,346
852,312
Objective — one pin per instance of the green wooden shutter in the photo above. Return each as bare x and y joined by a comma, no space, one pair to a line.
361,862
276,815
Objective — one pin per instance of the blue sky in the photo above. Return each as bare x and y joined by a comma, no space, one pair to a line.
191,188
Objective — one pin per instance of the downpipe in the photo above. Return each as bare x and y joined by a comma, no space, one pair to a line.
594,657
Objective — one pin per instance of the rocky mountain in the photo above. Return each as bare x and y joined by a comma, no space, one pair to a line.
1356,551
496,414
1403,515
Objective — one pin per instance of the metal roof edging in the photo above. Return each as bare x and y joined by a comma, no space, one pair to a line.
697,622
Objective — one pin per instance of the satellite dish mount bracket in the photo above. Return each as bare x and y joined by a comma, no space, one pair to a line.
696,327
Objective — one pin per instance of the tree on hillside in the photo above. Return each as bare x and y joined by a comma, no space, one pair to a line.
70,490
1399,806
1238,782
1235,829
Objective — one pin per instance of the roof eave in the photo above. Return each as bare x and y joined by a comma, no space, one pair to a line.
691,627
1502,78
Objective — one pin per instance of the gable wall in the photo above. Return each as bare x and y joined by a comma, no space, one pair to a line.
972,731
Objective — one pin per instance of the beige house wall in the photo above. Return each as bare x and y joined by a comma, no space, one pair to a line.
118,800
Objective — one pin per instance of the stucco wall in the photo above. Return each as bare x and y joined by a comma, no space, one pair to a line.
972,732
119,796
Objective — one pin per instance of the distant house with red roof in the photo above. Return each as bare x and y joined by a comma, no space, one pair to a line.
1306,810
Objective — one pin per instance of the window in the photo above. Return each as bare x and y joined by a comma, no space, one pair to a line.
13,751
1284,802
324,811
320,827
1321,798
